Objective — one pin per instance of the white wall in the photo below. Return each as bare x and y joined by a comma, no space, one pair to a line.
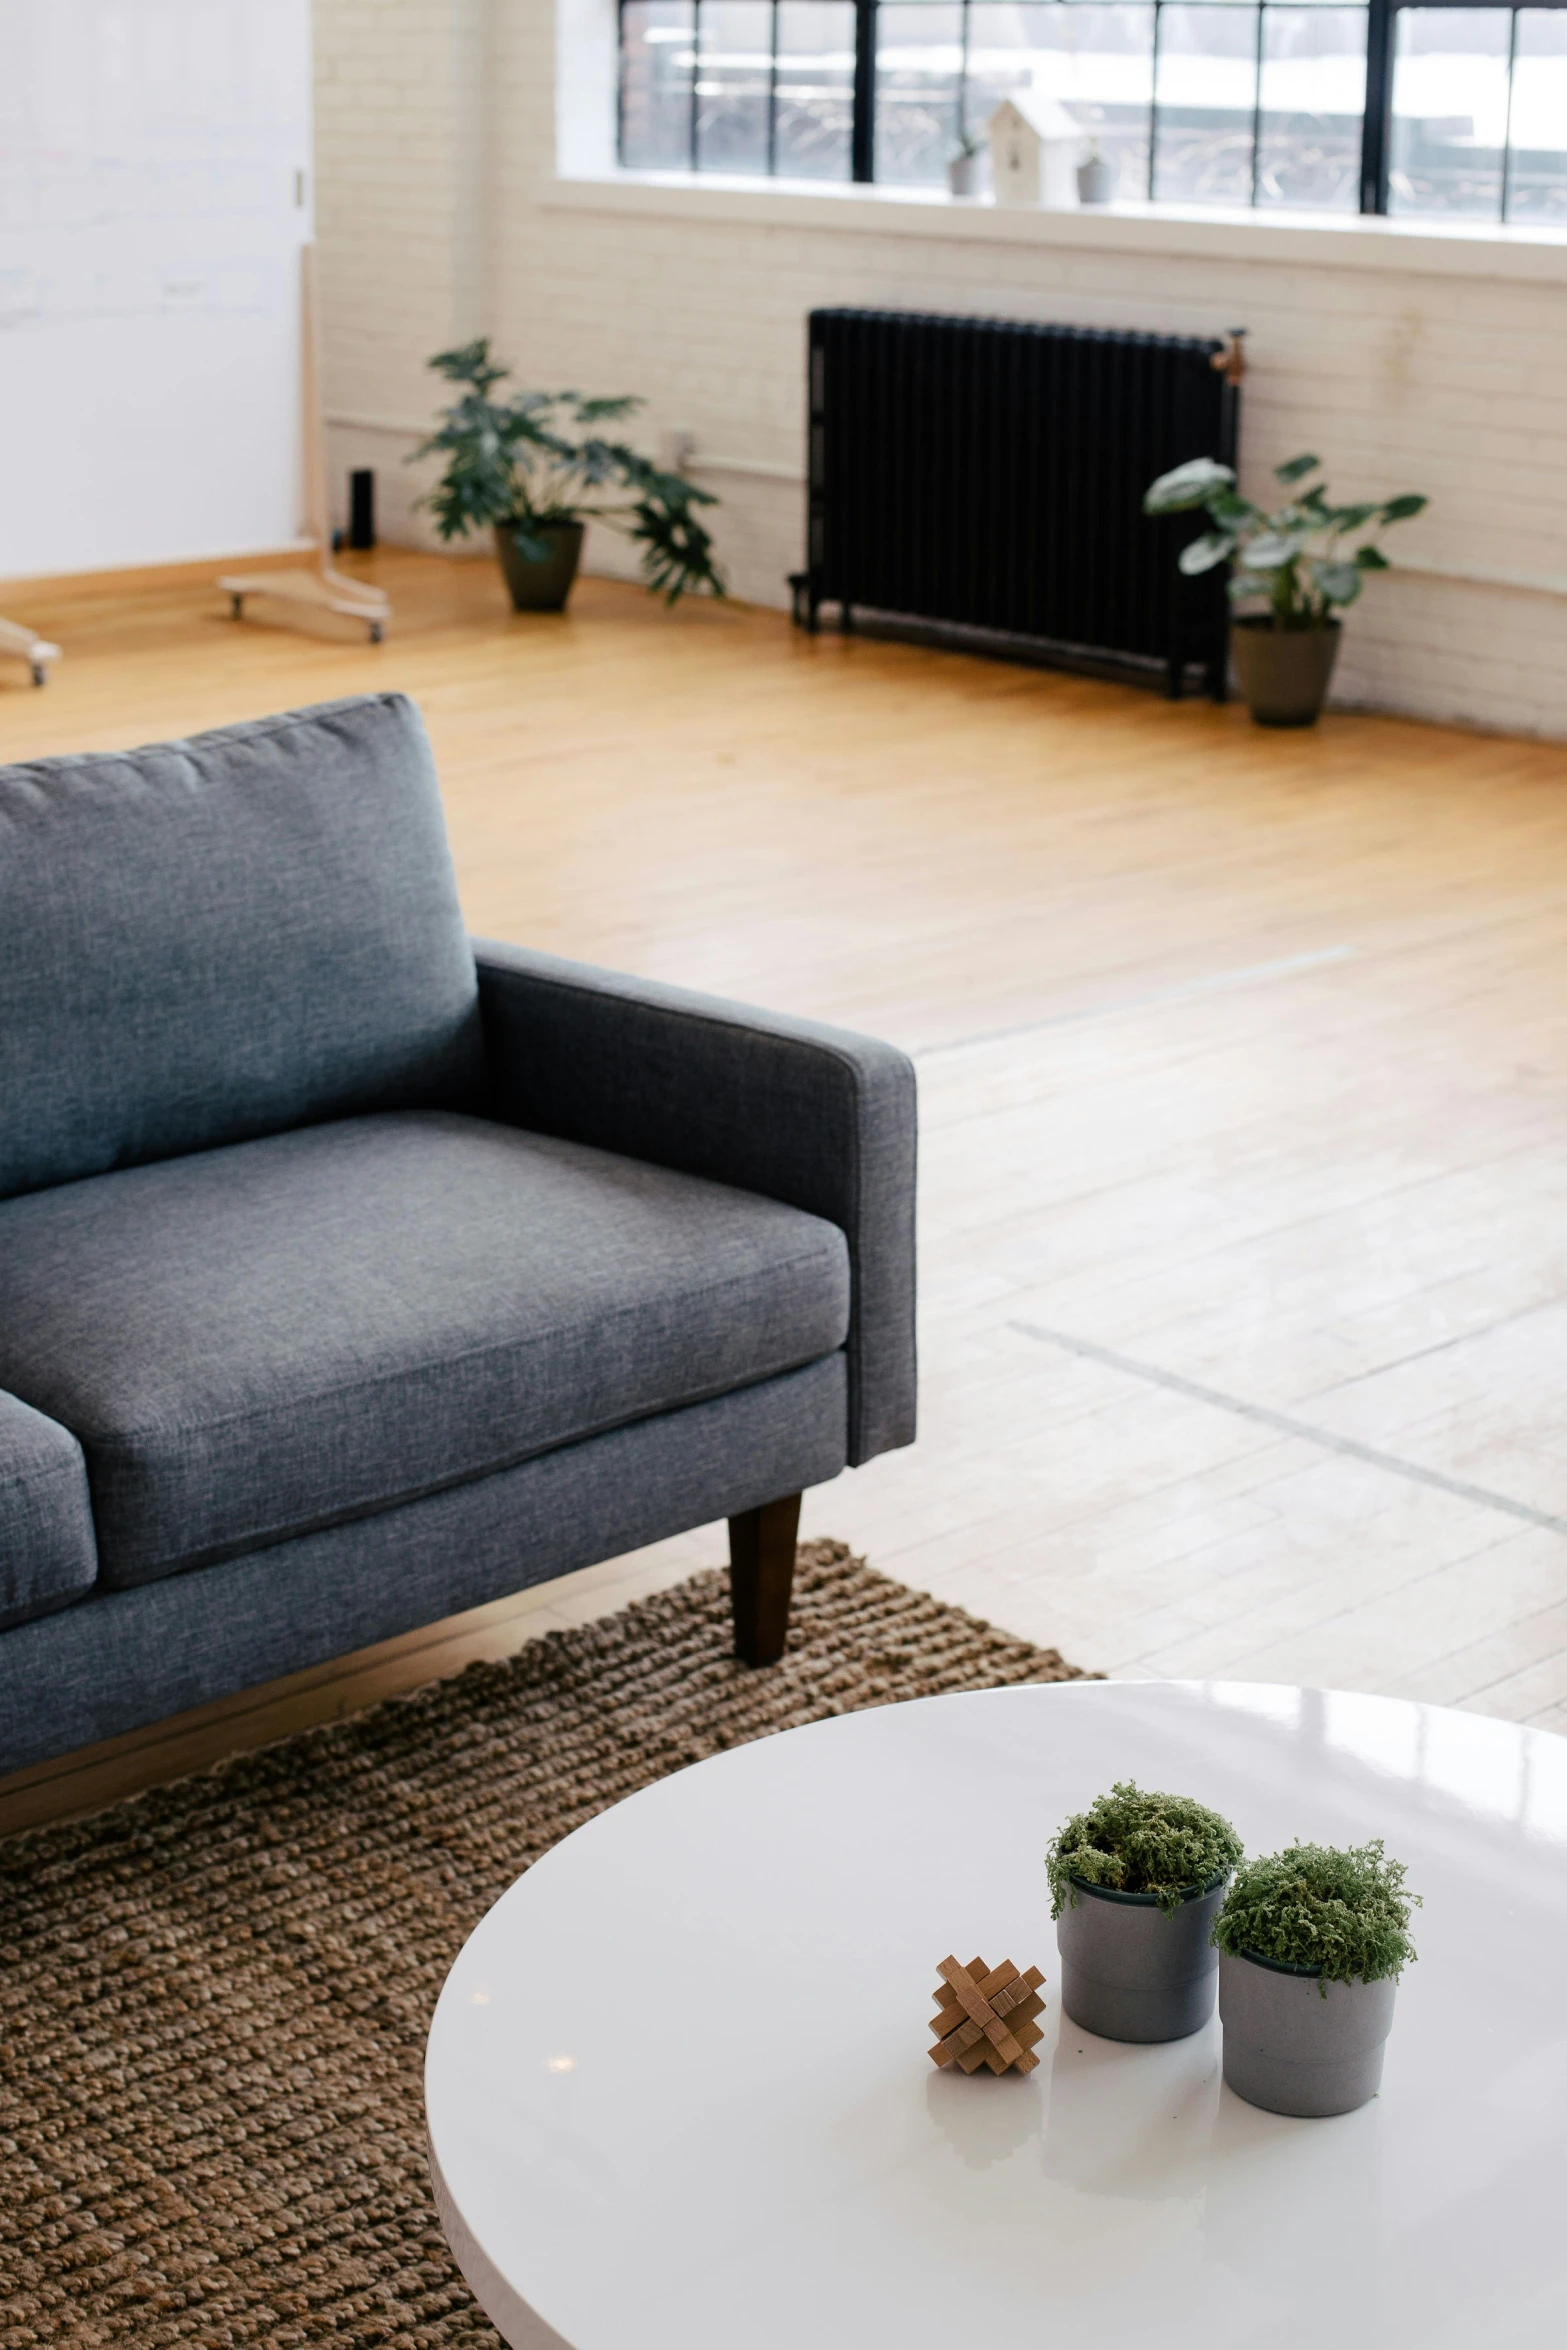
401,223
1406,360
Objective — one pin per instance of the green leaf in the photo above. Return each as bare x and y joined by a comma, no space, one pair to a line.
1230,507
1349,517
1400,509
1271,550
1248,583
1204,554
605,411
1296,468
677,553
1372,559
470,363
1188,485
1336,583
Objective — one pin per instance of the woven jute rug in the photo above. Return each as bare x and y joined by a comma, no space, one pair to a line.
214,1997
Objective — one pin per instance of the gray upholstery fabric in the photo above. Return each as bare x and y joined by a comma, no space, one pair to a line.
47,1556
253,1341
123,1658
218,938
814,1116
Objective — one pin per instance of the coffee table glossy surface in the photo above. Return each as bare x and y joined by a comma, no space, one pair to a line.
679,2098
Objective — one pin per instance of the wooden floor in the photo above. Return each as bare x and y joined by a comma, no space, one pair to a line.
1244,1072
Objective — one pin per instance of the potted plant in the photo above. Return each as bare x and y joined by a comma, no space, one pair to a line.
1136,1882
1312,1942
532,466
1298,557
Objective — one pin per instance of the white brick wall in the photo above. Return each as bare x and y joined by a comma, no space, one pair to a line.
437,141
400,220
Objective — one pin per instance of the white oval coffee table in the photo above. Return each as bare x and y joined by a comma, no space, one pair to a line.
679,2098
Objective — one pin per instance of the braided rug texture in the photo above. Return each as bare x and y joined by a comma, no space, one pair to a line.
214,1996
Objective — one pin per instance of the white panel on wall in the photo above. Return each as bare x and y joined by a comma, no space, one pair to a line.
153,198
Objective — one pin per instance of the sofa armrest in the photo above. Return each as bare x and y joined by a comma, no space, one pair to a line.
817,1117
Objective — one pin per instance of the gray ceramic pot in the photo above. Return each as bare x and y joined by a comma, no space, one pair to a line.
540,586
1284,672
1292,2050
1095,181
1128,1972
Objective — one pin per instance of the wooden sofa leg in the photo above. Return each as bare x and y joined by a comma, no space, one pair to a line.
761,1578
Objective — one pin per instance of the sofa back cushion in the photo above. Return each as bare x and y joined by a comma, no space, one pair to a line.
214,939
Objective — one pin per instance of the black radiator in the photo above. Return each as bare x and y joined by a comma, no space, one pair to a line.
985,477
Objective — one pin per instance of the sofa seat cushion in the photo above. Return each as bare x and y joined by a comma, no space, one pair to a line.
258,1340
47,1553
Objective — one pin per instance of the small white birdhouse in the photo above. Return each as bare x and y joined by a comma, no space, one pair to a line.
1034,147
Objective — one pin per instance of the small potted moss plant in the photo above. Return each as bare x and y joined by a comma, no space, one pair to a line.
1136,1882
1312,1942
532,468
1299,558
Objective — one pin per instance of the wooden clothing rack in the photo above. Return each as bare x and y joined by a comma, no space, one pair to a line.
323,588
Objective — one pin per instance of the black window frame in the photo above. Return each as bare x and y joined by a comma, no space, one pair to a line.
1376,139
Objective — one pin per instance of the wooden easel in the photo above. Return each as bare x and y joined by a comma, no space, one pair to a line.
28,646
323,588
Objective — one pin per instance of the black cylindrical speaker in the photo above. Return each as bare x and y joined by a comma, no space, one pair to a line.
361,508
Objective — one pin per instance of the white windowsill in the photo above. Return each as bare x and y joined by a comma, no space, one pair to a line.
1436,248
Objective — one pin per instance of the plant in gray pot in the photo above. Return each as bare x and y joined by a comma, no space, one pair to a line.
535,467
1299,558
1312,1942
1136,1882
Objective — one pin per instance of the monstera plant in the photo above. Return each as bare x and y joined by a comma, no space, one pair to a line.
1307,559
537,467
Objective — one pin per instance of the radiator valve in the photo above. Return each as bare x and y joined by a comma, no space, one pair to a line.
1231,361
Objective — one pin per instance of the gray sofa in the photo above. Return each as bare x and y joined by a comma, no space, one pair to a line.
352,1274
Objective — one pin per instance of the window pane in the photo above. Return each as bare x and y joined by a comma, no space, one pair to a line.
1537,180
815,88
1313,99
734,71
919,66
1206,93
1449,111
1097,60
655,85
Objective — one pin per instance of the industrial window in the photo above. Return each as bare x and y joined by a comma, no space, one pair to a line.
1310,104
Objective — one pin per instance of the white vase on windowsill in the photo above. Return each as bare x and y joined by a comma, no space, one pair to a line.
964,169
1095,178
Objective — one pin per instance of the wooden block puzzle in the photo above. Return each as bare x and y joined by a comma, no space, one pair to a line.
985,2015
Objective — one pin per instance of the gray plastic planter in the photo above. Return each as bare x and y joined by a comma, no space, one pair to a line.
1128,1972
1284,672
1289,2049
540,584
